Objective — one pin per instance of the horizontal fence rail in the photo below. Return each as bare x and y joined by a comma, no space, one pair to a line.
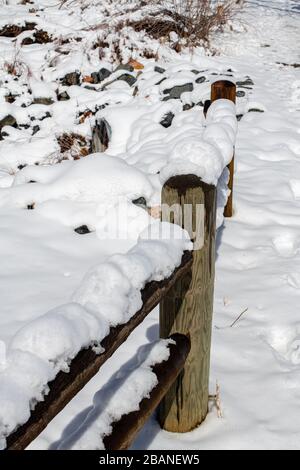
87,363
125,430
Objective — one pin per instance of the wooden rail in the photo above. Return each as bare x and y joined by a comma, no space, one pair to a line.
125,430
86,364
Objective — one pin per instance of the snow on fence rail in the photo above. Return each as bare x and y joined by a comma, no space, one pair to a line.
186,309
87,363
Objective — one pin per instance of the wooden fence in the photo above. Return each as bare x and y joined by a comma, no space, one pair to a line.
186,309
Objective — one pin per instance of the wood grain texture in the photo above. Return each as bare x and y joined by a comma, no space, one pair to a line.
86,364
187,308
224,89
126,429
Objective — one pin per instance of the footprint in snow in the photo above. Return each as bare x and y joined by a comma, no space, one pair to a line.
293,280
285,343
285,245
295,188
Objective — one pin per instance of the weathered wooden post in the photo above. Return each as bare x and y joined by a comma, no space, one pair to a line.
224,89
188,306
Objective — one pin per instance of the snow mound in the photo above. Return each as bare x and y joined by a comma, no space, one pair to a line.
207,155
95,178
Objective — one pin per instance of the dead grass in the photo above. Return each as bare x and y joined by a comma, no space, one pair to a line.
176,23
73,146
192,20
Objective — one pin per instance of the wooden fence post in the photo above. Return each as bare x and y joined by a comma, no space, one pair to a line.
188,307
226,90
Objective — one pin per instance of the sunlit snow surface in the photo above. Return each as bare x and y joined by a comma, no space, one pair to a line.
256,362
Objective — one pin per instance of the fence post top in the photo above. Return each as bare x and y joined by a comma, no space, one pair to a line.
189,181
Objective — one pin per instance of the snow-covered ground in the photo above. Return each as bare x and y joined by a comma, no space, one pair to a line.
257,361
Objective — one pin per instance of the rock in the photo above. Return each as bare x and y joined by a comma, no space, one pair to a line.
10,98
255,110
103,74
176,91
167,120
196,72
187,107
240,94
95,77
35,129
127,67
27,41
239,117
159,69
89,87
101,136
140,202
200,79
98,77
63,96
126,77
82,230
71,79
160,81
46,116
98,107
245,83
7,121
46,101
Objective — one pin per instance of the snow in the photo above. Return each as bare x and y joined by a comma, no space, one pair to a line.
18,152
208,156
256,362
95,178
131,387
